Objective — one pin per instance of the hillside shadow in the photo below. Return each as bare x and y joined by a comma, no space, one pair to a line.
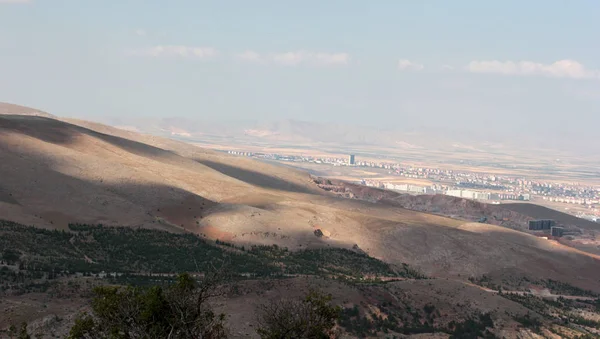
63,133
60,199
548,261
66,134
256,178
541,212
6,197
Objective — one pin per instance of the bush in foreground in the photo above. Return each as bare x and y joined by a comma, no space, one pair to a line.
313,317
181,310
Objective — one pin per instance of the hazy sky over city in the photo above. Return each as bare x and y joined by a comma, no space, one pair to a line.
514,65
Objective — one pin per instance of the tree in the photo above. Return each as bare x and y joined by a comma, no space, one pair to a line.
23,334
20,334
11,257
181,310
313,317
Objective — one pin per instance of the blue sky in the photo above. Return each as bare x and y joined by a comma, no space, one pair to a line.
408,64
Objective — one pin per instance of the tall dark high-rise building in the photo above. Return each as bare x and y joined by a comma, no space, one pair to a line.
351,159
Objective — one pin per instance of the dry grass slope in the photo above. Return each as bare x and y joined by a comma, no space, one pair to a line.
6,108
74,171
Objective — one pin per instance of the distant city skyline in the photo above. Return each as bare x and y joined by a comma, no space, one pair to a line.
506,68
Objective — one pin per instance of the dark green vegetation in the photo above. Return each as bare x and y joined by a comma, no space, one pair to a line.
95,249
559,287
530,322
23,281
414,321
181,310
524,284
561,311
21,333
36,260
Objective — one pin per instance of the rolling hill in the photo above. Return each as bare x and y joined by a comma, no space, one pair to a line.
61,171
6,108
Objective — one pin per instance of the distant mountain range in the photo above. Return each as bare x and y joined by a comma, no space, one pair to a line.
295,132
520,140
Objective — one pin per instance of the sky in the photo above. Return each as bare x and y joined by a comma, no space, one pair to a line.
511,67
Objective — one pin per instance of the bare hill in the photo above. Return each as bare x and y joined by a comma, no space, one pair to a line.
464,209
59,172
6,108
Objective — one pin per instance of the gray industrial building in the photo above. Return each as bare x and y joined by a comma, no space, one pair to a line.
543,224
557,231
351,160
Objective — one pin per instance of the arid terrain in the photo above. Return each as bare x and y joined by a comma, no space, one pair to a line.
454,301
55,172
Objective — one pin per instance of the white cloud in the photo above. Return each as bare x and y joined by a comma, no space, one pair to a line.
297,58
289,58
140,32
407,65
176,51
313,58
559,69
332,59
249,56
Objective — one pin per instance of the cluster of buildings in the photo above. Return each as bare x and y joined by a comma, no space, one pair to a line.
439,189
590,217
476,195
244,154
573,200
410,188
470,185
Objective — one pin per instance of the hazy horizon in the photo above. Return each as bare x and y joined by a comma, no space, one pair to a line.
501,70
